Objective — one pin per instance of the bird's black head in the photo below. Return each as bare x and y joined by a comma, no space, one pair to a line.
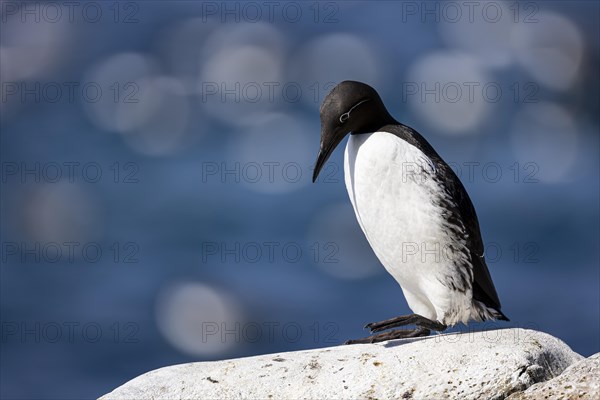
350,107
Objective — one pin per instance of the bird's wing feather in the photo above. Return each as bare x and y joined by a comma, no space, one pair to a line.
483,287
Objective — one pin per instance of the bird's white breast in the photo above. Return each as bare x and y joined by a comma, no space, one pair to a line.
395,197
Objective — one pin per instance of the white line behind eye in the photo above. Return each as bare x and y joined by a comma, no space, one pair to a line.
344,117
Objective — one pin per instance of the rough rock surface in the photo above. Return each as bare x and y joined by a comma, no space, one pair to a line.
488,364
580,381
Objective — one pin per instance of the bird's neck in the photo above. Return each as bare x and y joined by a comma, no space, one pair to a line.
377,122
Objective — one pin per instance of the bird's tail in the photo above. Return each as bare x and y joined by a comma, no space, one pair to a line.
484,313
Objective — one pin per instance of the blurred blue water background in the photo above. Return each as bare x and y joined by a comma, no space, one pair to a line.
156,162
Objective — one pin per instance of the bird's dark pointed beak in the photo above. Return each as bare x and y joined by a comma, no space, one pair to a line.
329,141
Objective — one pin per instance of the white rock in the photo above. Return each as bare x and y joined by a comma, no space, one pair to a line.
580,381
488,364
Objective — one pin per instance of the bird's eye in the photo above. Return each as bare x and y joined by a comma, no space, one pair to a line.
344,117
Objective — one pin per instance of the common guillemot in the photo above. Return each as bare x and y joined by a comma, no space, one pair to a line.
406,197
